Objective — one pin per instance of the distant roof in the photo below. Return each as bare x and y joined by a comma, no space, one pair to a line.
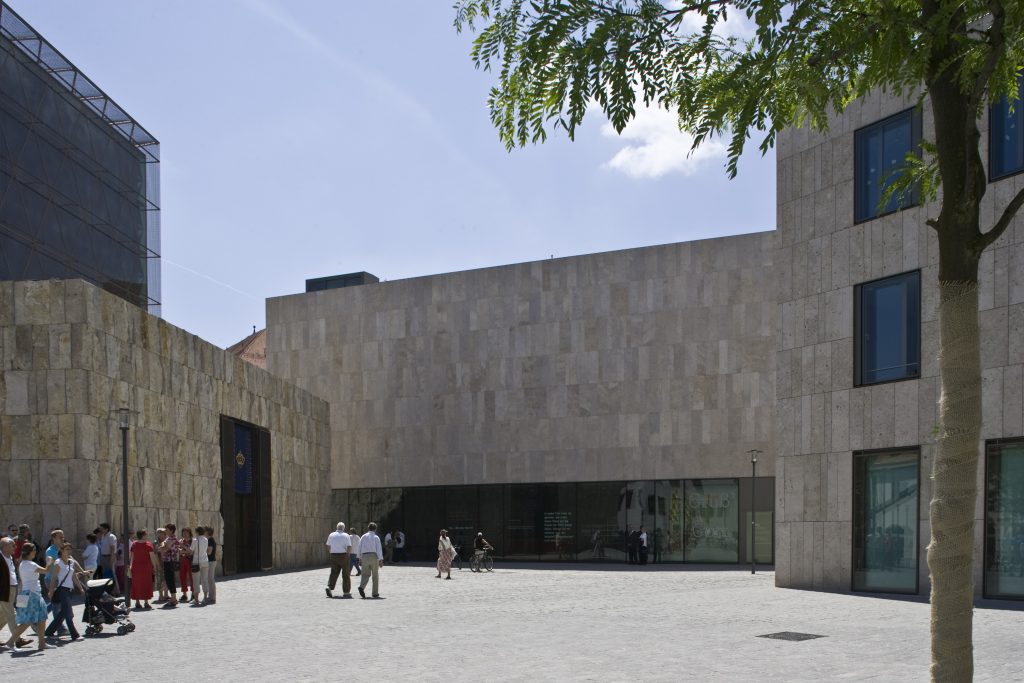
252,349
39,50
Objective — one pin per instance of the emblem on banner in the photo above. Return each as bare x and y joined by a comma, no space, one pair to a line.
240,459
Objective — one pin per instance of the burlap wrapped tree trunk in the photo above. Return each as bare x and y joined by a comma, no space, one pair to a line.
954,475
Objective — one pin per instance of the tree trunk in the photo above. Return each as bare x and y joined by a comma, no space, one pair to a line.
954,482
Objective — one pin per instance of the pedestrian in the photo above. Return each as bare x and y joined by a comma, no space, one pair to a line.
169,557
632,541
445,555
642,544
64,580
141,564
24,536
9,589
90,554
400,546
339,545
108,554
371,557
353,556
29,606
211,553
159,585
389,545
185,564
51,555
200,566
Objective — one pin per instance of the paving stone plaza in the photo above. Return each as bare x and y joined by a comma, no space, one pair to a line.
527,622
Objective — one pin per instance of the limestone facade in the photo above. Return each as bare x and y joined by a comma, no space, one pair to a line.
71,354
646,363
823,419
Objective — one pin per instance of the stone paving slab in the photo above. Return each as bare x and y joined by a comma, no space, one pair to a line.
527,622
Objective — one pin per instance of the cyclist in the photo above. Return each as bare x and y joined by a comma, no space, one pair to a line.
480,545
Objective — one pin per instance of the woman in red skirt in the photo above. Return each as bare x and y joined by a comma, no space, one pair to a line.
185,572
140,568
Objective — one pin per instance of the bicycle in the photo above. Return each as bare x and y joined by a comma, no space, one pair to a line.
481,561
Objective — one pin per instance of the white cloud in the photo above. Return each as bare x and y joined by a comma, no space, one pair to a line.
657,147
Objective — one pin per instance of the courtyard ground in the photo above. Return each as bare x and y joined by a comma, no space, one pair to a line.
526,622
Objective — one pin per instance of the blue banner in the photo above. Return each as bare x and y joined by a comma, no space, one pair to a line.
243,460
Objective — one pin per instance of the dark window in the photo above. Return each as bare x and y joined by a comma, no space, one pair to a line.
887,327
885,520
1006,138
879,151
1004,519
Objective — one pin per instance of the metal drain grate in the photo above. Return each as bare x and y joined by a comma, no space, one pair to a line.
791,635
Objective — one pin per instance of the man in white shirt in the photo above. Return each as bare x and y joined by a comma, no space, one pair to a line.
371,556
108,554
8,590
338,545
199,556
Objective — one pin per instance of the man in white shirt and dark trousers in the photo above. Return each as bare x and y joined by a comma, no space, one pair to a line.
371,556
108,554
338,544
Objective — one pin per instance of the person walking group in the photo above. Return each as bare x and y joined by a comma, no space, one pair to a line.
39,581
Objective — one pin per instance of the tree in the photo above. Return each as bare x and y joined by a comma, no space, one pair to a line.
555,59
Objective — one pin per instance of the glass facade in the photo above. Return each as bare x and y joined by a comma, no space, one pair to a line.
880,150
887,321
1004,519
1006,138
885,522
78,177
687,520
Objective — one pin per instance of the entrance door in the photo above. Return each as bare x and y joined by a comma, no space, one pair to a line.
247,541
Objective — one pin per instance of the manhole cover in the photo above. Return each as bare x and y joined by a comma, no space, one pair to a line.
791,635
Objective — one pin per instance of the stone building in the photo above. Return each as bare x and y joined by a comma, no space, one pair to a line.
857,372
71,355
555,403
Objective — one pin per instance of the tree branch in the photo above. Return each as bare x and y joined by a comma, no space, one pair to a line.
984,240
996,45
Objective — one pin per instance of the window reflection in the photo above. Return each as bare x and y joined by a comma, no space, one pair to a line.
885,493
1006,138
888,322
1004,520
710,520
880,150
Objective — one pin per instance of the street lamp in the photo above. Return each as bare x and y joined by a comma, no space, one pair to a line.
123,417
753,516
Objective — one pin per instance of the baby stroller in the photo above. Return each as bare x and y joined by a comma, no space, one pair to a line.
103,608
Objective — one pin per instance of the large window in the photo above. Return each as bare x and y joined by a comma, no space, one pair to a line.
1006,138
686,520
887,325
1004,519
885,520
710,520
879,151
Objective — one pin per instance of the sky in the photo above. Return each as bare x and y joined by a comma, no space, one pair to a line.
317,137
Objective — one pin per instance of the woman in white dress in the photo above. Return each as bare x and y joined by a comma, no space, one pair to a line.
29,606
445,555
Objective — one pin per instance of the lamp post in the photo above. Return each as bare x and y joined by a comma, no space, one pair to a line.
753,516
123,415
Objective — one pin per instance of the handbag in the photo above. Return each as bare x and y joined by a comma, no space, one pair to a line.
21,602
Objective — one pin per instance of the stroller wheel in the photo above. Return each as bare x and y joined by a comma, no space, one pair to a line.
131,627
121,630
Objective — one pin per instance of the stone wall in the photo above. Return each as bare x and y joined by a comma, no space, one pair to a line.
639,364
71,354
822,418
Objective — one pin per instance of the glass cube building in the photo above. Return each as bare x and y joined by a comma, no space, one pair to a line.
79,177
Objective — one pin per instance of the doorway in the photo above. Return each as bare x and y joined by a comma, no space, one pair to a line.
247,541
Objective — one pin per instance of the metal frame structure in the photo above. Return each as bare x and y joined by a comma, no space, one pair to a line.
76,84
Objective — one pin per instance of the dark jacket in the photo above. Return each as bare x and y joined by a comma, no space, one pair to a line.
5,587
